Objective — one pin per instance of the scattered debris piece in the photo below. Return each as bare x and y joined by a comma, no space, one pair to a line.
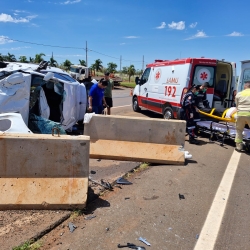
107,228
106,185
197,236
144,241
99,160
127,198
123,181
154,197
132,246
181,196
90,217
93,172
72,227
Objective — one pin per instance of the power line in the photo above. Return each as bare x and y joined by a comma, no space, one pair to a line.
66,47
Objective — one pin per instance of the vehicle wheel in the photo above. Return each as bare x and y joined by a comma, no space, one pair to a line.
136,107
168,113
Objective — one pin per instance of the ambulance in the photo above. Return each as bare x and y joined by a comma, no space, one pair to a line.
164,82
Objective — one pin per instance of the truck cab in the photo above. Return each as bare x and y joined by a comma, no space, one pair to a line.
79,72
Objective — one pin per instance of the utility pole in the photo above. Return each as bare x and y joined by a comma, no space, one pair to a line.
142,63
120,65
86,54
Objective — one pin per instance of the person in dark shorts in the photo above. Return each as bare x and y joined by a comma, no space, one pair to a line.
108,93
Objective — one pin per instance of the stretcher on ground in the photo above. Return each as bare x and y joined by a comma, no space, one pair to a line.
221,126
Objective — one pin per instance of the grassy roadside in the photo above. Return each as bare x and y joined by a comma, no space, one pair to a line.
128,84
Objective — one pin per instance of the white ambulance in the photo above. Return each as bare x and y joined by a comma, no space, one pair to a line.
164,82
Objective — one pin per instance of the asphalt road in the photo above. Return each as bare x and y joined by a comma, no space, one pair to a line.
219,179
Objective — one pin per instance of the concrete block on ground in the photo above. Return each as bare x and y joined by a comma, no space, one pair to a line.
137,151
136,139
43,171
149,130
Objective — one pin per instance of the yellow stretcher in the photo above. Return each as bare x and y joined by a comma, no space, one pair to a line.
220,127
220,118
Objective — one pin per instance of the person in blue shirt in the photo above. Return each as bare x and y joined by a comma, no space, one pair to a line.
96,97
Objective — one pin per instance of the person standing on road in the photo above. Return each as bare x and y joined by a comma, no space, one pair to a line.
108,93
190,112
242,100
96,97
201,101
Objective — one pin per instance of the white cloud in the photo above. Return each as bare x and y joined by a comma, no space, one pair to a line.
162,26
16,48
8,18
235,34
177,26
131,37
4,40
199,34
193,25
71,2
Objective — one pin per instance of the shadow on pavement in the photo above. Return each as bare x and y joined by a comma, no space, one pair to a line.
94,201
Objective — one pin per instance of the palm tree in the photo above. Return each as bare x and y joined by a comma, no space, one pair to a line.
83,62
53,62
23,59
1,57
112,67
38,58
10,58
67,64
97,66
131,71
32,60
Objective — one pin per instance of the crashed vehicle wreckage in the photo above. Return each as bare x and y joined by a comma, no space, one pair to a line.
46,97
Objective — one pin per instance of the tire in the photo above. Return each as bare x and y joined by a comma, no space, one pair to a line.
136,107
168,113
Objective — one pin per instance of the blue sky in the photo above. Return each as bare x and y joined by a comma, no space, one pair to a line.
131,30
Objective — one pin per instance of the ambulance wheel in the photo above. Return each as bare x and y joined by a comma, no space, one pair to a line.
136,107
168,113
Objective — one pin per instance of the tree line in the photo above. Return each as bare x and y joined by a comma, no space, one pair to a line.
96,66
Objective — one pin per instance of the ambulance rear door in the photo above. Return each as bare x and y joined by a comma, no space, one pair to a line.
202,74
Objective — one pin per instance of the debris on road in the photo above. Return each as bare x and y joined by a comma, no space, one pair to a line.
72,227
181,196
123,181
132,246
89,217
104,184
144,241
154,197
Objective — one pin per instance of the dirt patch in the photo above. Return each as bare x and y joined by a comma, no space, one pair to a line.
16,227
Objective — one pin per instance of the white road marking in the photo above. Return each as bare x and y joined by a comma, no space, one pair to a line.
122,106
213,221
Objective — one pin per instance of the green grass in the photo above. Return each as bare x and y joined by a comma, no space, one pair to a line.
128,84
29,246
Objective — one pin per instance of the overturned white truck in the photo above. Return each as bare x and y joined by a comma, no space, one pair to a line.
42,99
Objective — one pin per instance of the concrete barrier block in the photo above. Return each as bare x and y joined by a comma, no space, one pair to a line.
149,130
43,171
137,151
